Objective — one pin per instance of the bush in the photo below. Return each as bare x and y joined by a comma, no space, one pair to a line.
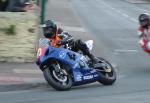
11,30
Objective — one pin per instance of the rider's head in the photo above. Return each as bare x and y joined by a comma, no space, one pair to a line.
144,20
49,29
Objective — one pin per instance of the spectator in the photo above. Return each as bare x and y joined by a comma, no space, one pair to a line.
20,5
3,5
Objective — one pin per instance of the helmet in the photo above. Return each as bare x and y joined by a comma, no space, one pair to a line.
144,20
49,28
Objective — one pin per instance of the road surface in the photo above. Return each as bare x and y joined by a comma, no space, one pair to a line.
112,24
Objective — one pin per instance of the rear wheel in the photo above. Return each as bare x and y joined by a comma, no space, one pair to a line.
57,76
107,73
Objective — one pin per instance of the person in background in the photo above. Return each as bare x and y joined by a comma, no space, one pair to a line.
144,32
3,5
20,5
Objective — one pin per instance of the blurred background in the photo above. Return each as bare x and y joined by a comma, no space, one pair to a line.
19,31
112,24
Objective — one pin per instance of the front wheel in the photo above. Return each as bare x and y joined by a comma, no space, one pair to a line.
107,73
57,76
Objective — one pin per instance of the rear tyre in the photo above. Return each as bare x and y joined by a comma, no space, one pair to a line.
108,74
59,80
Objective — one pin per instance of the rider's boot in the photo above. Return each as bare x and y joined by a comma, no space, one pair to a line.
94,59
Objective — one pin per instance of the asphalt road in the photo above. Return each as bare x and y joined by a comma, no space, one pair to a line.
113,23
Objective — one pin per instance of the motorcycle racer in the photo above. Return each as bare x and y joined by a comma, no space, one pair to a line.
144,32
59,37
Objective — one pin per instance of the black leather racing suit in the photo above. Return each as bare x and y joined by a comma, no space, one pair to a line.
75,45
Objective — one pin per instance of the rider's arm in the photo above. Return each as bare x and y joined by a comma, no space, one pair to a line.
66,37
140,32
148,34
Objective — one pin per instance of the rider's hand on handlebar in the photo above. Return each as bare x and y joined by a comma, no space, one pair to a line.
61,42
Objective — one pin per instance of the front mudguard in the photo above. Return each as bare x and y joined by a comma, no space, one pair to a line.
46,62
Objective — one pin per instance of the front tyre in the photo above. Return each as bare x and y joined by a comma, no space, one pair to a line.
108,74
59,79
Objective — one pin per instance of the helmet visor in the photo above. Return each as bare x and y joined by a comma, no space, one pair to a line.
143,22
49,31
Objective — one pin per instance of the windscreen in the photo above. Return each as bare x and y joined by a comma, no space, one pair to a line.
43,42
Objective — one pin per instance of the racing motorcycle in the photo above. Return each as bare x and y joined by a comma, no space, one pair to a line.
145,44
63,68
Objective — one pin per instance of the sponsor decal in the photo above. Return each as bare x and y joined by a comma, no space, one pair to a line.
88,77
75,66
96,75
79,78
39,52
83,58
93,71
62,54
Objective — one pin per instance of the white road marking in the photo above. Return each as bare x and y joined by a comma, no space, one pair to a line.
144,10
17,79
134,20
31,71
10,79
138,1
33,80
127,39
122,13
125,15
70,28
117,10
125,50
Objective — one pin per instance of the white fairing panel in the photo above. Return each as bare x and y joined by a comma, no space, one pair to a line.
89,44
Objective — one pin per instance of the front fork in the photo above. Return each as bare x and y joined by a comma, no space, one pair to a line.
58,69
